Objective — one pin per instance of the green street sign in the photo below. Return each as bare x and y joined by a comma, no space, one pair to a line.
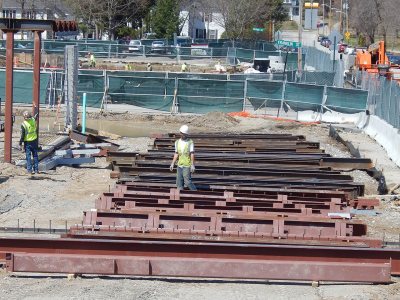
258,29
288,44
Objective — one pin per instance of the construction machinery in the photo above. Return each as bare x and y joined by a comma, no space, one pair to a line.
373,58
375,61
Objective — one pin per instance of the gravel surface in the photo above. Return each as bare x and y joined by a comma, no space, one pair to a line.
63,194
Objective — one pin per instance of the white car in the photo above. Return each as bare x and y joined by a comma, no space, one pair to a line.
349,50
135,46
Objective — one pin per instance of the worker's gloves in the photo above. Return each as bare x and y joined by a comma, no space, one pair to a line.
192,169
171,167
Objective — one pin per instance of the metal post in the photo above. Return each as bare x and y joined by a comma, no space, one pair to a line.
283,97
300,57
334,53
323,17
9,96
244,95
36,75
84,113
341,17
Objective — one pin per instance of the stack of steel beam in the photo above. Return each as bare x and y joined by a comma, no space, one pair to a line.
268,207
278,188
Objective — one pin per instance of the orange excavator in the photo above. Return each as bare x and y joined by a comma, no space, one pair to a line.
374,60
373,57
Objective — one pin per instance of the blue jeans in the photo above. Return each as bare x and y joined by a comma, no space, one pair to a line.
31,149
184,178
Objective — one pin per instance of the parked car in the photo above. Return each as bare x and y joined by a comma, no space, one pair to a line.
135,46
326,42
349,50
342,48
320,37
158,47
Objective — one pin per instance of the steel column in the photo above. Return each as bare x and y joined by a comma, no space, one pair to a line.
9,96
36,74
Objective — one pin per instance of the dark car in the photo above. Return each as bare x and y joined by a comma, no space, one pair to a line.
326,42
321,37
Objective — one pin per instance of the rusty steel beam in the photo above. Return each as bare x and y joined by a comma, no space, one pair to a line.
339,163
225,224
351,264
195,267
9,96
129,233
240,190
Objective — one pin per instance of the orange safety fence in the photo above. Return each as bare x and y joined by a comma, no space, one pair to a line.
245,114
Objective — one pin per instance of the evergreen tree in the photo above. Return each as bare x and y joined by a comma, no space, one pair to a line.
166,18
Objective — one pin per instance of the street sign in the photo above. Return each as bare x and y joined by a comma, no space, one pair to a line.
347,35
258,29
288,44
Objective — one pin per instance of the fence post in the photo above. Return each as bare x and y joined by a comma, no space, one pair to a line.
244,95
109,50
175,104
282,98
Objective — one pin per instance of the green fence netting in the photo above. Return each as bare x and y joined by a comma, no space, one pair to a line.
264,93
202,96
93,86
23,86
153,93
202,105
303,96
346,100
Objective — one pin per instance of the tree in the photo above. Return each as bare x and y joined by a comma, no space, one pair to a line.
108,14
374,17
236,16
165,19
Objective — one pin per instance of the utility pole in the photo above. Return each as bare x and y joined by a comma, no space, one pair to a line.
300,57
341,17
323,17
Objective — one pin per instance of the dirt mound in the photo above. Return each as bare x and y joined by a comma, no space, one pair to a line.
214,120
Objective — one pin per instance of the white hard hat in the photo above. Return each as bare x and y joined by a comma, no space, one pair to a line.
184,129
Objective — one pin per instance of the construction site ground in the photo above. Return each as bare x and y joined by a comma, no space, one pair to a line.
62,195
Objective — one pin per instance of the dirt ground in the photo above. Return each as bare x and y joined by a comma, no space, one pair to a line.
62,195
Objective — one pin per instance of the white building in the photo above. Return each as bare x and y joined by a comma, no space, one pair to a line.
199,25
33,9
293,9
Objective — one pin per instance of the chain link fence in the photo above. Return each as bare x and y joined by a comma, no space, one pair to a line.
384,96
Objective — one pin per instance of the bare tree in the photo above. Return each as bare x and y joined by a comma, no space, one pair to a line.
107,14
374,17
237,15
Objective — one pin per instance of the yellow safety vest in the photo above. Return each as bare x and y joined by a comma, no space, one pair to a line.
30,130
184,155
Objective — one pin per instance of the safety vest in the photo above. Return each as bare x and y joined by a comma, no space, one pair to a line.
92,58
30,130
184,68
184,154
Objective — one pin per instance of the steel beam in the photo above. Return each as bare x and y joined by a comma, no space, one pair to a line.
250,255
9,96
36,75
200,267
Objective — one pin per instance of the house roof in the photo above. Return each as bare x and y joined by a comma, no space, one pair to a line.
57,7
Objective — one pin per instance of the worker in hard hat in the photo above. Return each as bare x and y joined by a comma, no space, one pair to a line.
29,136
92,60
184,67
184,154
